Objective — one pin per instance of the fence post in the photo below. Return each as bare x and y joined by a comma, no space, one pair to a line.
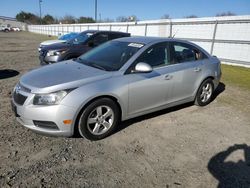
170,29
214,35
146,29
110,27
127,28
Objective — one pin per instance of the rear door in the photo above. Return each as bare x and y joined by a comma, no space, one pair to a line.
188,64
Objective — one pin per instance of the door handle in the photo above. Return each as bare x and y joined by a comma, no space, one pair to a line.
168,77
197,69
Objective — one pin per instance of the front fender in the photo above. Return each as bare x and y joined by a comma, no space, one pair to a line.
116,87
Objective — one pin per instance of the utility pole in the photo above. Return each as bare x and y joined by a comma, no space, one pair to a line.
40,9
95,10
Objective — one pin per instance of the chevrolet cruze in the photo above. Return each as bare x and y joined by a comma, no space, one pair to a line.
116,81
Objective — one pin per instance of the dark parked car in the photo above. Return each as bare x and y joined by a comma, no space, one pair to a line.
77,46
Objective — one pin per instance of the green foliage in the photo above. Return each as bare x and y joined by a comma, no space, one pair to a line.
191,16
228,13
27,17
68,19
48,19
165,16
83,19
31,18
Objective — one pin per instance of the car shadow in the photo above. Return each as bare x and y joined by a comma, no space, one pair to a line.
8,73
221,88
127,123
228,173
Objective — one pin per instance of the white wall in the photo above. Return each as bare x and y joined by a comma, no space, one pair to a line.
226,37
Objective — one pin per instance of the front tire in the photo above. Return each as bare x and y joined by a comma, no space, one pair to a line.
99,119
205,93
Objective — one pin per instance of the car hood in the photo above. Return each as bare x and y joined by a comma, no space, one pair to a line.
59,46
65,75
49,42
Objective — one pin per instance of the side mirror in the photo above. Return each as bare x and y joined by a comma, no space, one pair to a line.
143,68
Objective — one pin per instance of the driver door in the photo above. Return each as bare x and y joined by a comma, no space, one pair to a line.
150,90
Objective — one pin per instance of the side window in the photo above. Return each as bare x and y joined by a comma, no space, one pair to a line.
114,36
156,55
100,38
182,52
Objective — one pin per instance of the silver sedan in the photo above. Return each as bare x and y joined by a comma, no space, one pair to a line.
116,81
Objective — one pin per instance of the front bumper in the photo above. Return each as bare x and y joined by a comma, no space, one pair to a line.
46,60
28,114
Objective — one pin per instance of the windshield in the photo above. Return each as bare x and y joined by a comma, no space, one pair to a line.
80,38
110,56
68,36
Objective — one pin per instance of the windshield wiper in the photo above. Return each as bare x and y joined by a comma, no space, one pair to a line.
83,61
97,66
91,64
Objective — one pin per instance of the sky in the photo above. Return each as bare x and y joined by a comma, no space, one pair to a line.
143,9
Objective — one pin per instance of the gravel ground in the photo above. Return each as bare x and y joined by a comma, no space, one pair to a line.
186,146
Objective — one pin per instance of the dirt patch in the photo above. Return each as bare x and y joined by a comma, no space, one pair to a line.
176,147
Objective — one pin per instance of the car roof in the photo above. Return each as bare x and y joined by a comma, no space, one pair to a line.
100,31
148,40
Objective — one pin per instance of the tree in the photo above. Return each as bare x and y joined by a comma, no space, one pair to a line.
68,19
27,17
48,19
228,13
83,19
131,18
107,20
165,16
191,16
122,19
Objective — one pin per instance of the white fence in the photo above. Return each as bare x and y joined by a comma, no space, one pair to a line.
226,37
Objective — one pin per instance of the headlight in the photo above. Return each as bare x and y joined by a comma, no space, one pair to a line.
55,52
49,99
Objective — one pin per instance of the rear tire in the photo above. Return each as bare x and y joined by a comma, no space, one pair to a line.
205,93
99,119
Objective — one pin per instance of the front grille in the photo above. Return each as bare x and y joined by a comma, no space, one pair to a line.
19,98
